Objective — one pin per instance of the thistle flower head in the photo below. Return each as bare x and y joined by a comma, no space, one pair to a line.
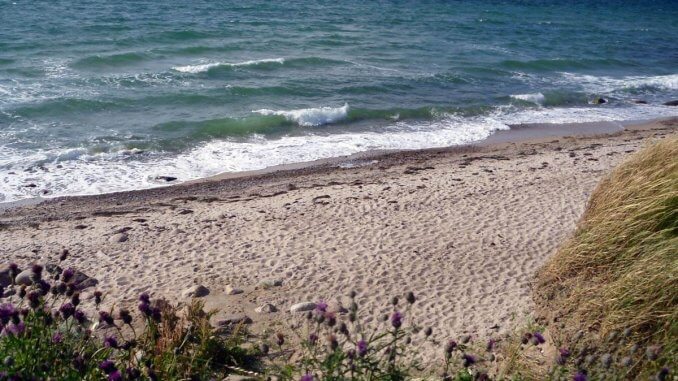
280,338
538,338
132,373
145,309
312,338
156,314
410,297
111,342
44,287
395,300
33,299
67,310
663,374
80,317
67,275
362,348
57,338
144,298
7,310
125,316
450,346
115,376
563,355
580,376
75,299
397,320
63,255
321,306
306,377
606,360
107,366
97,297
105,317
468,359
36,269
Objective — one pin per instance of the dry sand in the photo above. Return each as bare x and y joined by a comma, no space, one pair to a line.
463,228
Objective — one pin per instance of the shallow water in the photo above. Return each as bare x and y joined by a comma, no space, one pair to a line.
98,97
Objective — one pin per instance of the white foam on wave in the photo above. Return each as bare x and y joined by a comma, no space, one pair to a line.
200,68
80,173
310,117
605,84
536,98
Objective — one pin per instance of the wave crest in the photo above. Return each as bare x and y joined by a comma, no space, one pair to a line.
536,98
310,117
201,68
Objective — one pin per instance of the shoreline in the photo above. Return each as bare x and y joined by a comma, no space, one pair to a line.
464,228
516,134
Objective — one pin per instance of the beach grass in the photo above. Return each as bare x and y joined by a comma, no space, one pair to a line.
615,282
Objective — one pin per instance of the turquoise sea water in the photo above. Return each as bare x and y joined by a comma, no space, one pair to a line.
98,97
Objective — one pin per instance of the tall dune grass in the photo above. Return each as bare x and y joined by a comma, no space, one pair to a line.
619,272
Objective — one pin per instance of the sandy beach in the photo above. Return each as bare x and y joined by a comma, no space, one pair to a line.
463,228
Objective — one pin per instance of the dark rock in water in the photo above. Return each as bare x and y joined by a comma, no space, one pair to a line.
640,101
671,103
166,178
598,101
31,185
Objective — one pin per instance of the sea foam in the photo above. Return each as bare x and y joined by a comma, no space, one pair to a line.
201,68
310,117
537,98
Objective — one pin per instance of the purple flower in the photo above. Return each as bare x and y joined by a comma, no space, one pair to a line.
110,342
156,314
80,316
563,355
580,377
397,320
15,329
490,345
133,373
468,359
450,347
306,377
115,376
44,287
57,338
125,316
145,309
312,338
321,306
97,297
105,317
67,310
538,338
145,298
36,270
362,348
67,274
107,366
7,310
33,299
